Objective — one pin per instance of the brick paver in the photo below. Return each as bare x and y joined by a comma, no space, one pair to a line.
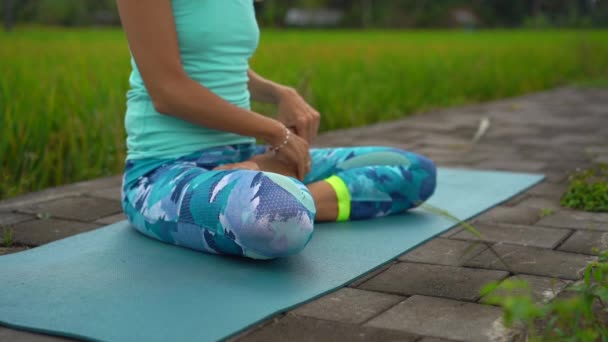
575,220
540,241
529,260
306,329
10,218
39,232
515,215
586,242
349,305
444,318
447,252
543,289
515,234
89,208
433,280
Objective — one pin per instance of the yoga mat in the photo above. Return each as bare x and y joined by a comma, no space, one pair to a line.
114,284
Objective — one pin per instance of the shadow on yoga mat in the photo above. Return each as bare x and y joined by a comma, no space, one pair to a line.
114,284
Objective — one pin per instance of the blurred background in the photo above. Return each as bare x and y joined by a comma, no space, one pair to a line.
64,67
347,13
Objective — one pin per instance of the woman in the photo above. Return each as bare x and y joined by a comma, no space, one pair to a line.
194,176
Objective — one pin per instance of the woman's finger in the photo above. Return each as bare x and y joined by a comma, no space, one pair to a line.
316,124
312,124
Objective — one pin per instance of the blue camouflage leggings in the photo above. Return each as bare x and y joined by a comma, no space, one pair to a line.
265,215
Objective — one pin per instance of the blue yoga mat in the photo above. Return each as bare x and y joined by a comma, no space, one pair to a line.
114,284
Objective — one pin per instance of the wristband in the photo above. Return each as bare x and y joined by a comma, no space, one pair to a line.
275,149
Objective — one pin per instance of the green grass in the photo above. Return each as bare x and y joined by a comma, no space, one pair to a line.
7,237
588,190
593,83
580,315
62,92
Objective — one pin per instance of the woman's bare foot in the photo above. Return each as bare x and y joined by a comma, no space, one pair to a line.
246,165
270,163
323,194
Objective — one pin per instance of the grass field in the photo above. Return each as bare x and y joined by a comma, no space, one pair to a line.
62,92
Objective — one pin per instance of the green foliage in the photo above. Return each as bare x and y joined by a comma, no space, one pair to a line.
544,212
593,83
62,92
582,316
7,237
588,189
540,21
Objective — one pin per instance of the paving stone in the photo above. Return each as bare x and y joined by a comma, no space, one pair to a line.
575,139
573,156
108,193
514,215
59,192
516,200
517,235
445,318
77,208
543,289
451,231
304,329
601,159
112,219
370,275
586,242
444,252
39,232
557,177
509,131
530,260
548,189
9,218
11,250
434,339
564,166
587,216
539,203
348,305
446,142
13,335
433,280
575,220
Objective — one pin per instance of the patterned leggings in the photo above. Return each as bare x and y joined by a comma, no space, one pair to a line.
265,215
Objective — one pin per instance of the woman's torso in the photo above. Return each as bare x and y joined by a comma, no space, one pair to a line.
216,39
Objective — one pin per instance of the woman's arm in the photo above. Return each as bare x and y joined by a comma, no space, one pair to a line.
264,90
293,109
150,29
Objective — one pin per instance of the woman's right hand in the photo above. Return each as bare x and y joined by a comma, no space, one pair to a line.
294,152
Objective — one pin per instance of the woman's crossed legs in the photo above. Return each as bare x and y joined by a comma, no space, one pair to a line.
260,214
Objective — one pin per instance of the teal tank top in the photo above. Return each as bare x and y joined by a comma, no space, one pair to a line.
216,39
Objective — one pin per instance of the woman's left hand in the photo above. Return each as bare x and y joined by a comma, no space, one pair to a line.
293,111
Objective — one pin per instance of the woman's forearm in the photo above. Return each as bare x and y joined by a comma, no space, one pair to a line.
186,99
263,90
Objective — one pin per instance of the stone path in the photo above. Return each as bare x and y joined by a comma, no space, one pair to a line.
430,293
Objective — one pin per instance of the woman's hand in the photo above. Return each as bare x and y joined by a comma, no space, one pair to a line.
294,112
295,152
293,157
